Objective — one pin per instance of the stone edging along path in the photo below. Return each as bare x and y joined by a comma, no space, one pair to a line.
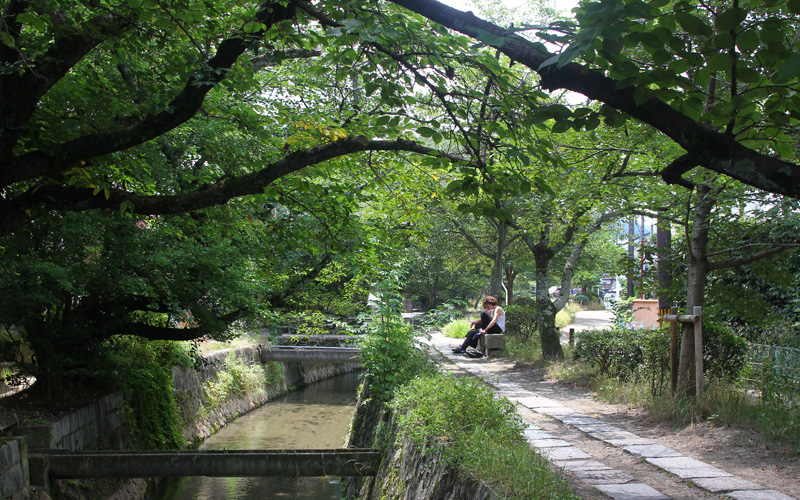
613,483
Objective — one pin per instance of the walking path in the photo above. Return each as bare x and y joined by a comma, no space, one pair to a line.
562,434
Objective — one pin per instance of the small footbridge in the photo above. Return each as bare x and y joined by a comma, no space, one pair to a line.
305,354
60,464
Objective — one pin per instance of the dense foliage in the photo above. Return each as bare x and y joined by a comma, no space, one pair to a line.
390,353
628,353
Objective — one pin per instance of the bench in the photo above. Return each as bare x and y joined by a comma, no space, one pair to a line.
492,342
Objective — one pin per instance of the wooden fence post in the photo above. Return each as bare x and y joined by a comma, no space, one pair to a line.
698,349
673,350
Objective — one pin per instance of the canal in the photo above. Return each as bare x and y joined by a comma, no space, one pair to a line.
313,417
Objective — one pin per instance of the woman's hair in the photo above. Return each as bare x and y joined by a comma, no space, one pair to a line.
490,300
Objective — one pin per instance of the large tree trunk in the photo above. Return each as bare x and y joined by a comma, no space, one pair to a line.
695,286
546,309
496,279
511,274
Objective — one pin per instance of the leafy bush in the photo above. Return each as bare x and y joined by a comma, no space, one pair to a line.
444,313
390,353
521,318
143,371
581,299
240,379
478,433
624,353
724,352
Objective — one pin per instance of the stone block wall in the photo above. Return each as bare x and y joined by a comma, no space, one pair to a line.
14,469
97,426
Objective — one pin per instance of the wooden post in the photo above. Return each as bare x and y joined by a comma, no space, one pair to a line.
571,337
673,350
698,349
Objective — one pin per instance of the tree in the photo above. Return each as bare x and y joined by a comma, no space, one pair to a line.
708,206
59,151
758,119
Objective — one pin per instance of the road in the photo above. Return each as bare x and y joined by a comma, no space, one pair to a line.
588,320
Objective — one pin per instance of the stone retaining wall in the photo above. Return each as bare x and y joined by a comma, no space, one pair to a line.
188,384
407,471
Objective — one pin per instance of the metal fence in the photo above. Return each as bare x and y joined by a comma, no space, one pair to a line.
775,367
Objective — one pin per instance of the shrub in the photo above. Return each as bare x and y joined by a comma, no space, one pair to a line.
625,353
521,318
581,299
390,353
724,352
240,379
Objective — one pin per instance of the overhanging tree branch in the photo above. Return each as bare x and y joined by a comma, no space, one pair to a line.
78,199
714,150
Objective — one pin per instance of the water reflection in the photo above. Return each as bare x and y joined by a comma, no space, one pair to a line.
317,416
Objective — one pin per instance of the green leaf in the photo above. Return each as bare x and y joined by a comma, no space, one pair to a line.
747,74
720,62
561,126
641,95
382,120
425,131
693,25
748,41
680,66
789,70
730,18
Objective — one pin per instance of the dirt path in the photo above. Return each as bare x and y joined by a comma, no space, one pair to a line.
740,451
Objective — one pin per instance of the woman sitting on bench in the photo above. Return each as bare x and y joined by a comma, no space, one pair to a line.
493,320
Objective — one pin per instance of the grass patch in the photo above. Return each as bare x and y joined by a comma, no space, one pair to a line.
478,433
524,350
566,315
456,329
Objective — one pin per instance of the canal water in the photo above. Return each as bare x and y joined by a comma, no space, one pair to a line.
314,417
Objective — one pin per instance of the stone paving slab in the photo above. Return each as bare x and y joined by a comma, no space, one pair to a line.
611,476
688,468
536,402
581,465
548,443
537,434
579,420
557,410
719,484
565,453
759,495
652,451
515,395
631,491
620,438
587,428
